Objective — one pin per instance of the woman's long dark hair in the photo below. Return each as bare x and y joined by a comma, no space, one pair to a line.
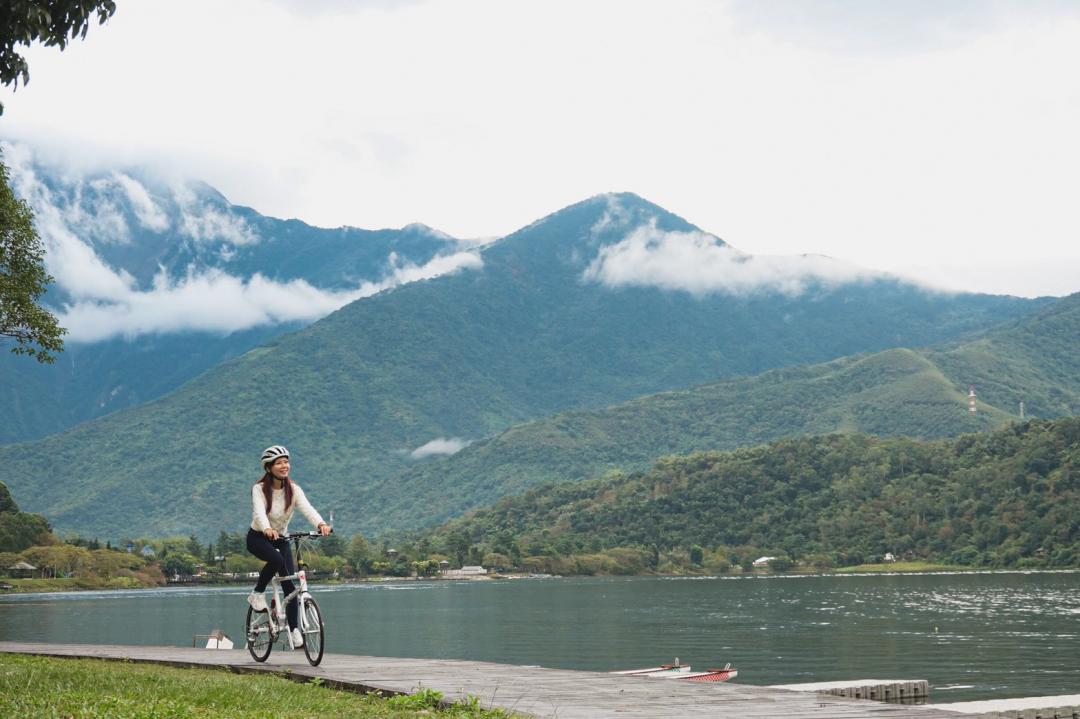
268,491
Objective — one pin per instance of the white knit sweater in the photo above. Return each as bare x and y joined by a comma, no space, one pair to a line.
278,517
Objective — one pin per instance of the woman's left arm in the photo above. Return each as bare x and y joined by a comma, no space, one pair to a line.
313,516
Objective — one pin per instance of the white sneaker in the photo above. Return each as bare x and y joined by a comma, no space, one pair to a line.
257,601
297,638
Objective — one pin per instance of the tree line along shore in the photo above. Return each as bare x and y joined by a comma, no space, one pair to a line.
994,500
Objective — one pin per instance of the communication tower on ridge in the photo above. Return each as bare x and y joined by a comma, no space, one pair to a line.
971,399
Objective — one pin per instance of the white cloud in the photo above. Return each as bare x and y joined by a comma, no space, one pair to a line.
615,216
73,264
214,301
76,268
106,302
203,222
439,446
101,218
875,131
699,263
207,224
146,210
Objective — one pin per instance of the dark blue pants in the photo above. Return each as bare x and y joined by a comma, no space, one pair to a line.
279,561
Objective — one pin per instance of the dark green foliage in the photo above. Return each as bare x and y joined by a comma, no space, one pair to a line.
895,392
18,530
54,22
1005,498
23,280
179,563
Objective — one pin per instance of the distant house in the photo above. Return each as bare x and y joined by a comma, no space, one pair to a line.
763,561
465,572
21,569
889,557
147,551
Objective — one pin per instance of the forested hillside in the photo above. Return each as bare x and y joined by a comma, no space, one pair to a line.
371,389
1006,498
898,392
18,530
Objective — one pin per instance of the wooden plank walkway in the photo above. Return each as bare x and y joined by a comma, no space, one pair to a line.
903,690
547,693
1065,706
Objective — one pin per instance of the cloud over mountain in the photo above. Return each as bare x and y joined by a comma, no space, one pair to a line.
79,216
700,263
440,446
214,301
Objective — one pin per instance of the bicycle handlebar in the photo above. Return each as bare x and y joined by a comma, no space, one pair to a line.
302,535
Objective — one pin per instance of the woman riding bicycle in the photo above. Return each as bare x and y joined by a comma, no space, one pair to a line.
273,499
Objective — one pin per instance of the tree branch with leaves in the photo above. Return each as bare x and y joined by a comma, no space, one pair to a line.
53,23
23,280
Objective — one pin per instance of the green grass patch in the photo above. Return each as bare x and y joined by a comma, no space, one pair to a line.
70,584
89,688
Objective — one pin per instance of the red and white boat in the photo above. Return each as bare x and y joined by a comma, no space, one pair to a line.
683,671
713,675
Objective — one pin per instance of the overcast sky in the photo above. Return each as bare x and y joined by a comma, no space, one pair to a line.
930,137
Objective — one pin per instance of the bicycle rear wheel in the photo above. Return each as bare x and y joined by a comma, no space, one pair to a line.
313,631
258,631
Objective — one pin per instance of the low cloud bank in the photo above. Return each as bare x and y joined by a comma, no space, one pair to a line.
104,302
439,446
214,301
701,264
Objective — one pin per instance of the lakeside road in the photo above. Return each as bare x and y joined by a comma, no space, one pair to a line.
534,691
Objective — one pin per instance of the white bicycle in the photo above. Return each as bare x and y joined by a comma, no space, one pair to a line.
262,629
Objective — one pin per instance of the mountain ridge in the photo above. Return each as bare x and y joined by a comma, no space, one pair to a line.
899,391
524,334
1003,498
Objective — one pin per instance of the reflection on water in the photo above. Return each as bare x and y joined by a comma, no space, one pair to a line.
971,635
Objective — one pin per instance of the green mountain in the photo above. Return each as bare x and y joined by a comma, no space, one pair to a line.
894,392
364,392
1003,498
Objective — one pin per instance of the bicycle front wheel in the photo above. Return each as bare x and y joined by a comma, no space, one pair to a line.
258,632
313,631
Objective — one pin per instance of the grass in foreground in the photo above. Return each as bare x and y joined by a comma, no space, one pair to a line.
91,689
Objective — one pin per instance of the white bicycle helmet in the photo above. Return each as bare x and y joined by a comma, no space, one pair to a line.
270,454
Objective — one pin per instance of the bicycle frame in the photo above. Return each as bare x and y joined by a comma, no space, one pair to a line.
278,616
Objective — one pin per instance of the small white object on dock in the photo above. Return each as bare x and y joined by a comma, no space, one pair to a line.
216,639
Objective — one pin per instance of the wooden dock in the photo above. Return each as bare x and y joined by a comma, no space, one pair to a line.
547,693
903,691
1051,707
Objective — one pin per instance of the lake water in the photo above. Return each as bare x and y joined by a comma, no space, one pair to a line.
973,636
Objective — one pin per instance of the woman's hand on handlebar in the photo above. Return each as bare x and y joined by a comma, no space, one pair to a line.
325,529
271,533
